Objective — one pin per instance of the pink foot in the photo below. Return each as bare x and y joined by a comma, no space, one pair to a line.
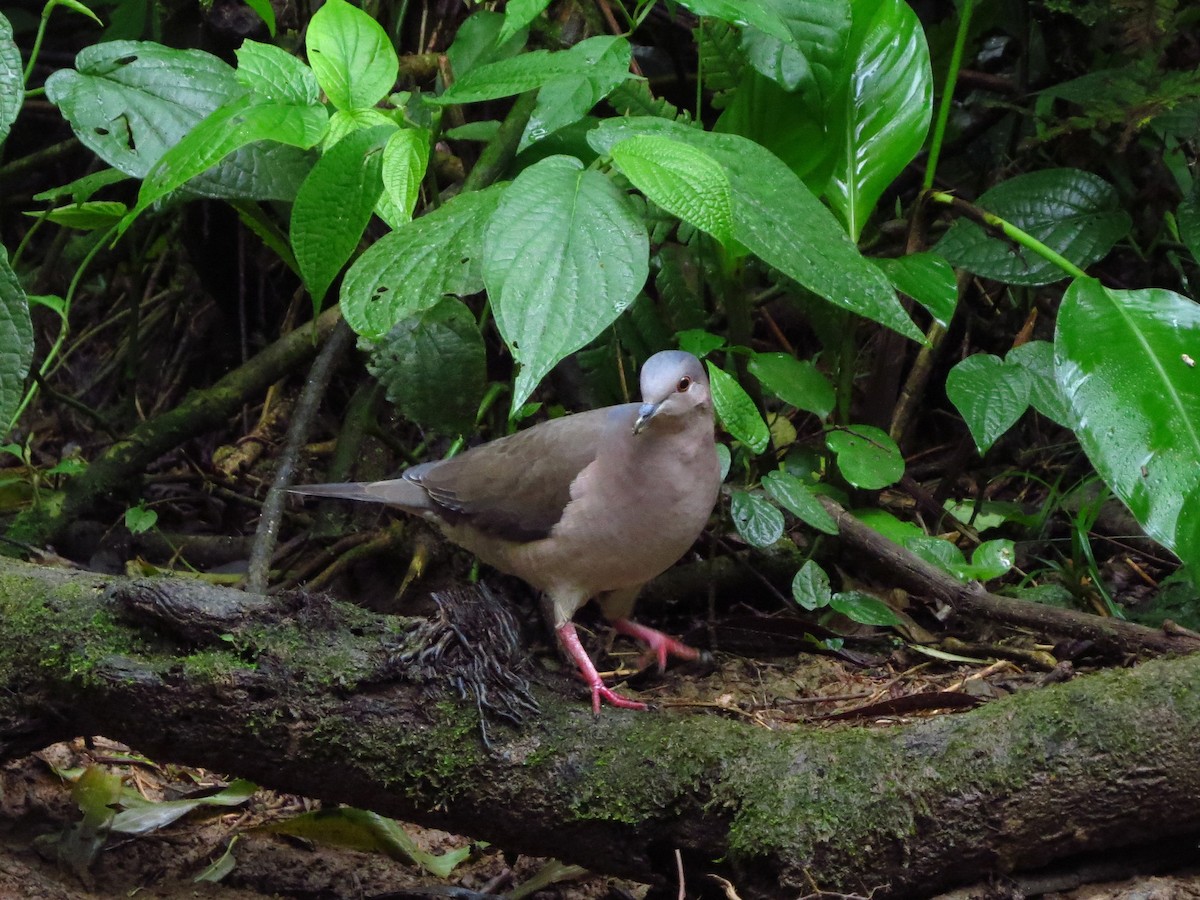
570,640
658,645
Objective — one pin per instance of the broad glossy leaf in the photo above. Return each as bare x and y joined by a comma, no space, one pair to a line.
928,279
863,608
518,14
147,817
275,74
814,54
790,492
989,394
130,101
1126,361
866,456
736,410
603,64
759,13
433,366
796,382
565,254
1076,214
810,587
477,42
779,220
884,110
1188,218
12,81
1045,395
244,121
334,205
528,71
91,215
351,55
16,341
683,180
414,267
405,157
756,519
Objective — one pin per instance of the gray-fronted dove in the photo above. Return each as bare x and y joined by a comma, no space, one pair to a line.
588,505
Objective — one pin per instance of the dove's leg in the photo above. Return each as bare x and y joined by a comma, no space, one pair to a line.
658,644
570,641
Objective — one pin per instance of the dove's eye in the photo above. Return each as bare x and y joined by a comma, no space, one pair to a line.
684,383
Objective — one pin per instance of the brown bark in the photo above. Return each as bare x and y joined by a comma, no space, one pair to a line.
326,700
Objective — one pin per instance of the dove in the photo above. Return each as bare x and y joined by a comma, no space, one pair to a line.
585,506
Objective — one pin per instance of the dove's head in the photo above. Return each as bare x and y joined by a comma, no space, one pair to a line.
674,391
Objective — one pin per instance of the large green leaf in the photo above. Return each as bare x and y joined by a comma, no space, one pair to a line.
604,64
334,205
884,110
990,394
756,519
12,82
683,180
866,456
779,220
1126,361
759,13
928,279
130,101
244,121
16,341
1076,214
351,55
433,366
418,264
794,381
1037,358
814,54
274,73
565,254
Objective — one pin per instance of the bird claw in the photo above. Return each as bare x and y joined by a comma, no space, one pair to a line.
658,645
600,690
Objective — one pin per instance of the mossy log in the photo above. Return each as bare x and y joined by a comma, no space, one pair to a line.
323,699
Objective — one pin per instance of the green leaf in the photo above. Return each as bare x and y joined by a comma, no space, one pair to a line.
358,829
603,64
814,55
794,381
938,552
991,559
265,12
866,456
565,254
12,80
699,342
434,367
684,181
756,519
779,220
130,101
928,279
405,157
725,458
229,128
810,587
529,71
344,121
275,74
895,530
414,267
142,819
90,216
221,867
350,53
863,608
1126,361
760,14
793,494
1037,358
518,14
138,519
990,395
884,109
736,410
477,42
16,341
82,189
1076,214
334,205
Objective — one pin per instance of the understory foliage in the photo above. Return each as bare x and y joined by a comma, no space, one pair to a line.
887,237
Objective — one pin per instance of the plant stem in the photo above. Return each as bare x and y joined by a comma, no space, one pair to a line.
943,114
1012,232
